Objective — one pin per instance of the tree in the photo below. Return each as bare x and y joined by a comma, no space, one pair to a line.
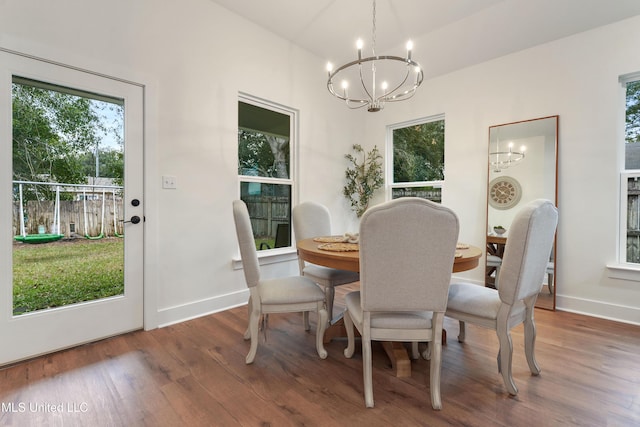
54,131
418,152
111,164
263,155
632,124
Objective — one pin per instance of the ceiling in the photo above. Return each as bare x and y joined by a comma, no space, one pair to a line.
447,34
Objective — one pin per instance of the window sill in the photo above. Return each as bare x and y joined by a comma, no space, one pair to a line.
624,272
272,256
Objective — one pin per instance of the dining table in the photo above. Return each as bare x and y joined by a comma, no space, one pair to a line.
328,251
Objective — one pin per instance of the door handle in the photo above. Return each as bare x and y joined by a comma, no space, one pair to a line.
134,219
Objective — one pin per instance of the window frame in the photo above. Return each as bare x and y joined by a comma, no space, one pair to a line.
293,163
623,269
389,183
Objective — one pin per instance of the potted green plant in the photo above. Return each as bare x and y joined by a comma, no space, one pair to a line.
364,177
499,230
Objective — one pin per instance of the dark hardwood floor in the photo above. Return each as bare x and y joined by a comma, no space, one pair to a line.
193,374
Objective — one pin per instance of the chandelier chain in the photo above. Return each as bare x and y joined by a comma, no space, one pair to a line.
373,30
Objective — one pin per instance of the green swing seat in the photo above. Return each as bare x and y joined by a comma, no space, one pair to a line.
39,238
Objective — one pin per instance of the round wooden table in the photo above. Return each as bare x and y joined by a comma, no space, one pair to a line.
308,251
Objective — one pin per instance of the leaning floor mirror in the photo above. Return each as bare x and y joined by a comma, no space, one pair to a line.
523,166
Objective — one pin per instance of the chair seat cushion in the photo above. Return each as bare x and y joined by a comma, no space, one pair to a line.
330,276
494,261
386,320
477,300
292,289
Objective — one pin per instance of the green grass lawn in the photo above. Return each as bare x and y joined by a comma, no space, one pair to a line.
62,273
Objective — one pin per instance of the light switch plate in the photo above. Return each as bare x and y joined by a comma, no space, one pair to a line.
169,182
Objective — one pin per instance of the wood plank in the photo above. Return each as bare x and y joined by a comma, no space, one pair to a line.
194,373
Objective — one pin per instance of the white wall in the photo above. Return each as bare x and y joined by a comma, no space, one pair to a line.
576,78
194,57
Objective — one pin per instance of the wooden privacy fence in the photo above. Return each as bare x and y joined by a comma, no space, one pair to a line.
39,214
633,221
266,212
435,195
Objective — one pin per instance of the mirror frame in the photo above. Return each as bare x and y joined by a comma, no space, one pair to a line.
546,299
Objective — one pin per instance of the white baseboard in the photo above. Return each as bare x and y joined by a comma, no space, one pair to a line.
180,313
616,312
184,312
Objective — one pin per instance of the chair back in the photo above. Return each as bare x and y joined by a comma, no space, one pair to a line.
247,243
311,219
407,249
527,251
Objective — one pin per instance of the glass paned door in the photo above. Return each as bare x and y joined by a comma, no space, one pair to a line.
70,261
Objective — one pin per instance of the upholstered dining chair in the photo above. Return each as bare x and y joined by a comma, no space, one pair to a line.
521,276
312,219
407,249
280,295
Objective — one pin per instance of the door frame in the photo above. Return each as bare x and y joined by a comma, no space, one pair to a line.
149,304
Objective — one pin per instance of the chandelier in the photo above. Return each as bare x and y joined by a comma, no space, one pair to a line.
378,79
500,160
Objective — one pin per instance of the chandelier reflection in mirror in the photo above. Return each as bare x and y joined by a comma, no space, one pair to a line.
500,160
378,79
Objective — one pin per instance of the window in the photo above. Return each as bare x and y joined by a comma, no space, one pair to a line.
630,176
415,152
265,147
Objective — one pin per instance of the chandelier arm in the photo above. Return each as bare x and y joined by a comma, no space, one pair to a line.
389,95
355,107
360,62
512,158
403,96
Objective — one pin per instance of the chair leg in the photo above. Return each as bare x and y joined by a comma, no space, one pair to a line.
434,372
247,333
461,334
436,359
329,296
351,336
320,328
426,354
305,320
254,320
415,352
505,355
367,370
530,343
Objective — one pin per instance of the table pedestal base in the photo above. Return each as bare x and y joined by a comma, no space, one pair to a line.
396,351
400,362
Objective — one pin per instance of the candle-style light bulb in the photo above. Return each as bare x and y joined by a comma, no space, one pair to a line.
329,68
359,45
384,86
345,85
409,49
